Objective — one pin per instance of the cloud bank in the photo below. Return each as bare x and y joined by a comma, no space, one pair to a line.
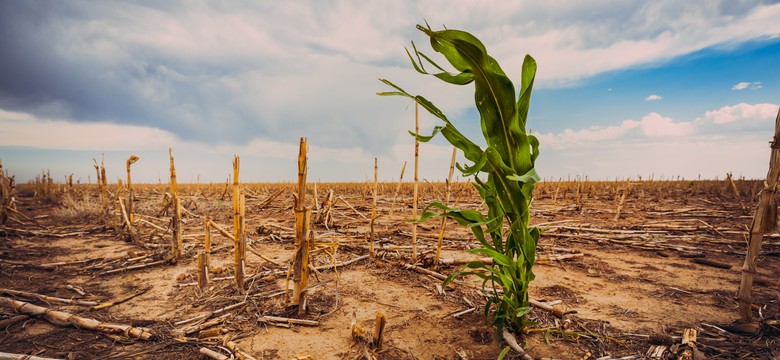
255,76
731,138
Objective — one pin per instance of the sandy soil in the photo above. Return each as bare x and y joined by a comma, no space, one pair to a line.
636,281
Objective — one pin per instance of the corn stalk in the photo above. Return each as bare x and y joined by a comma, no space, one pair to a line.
177,245
416,182
764,221
239,235
130,196
104,186
300,260
508,161
99,184
6,194
65,319
398,188
443,226
373,211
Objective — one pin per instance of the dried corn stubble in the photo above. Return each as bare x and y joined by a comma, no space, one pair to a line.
239,239
300,261
176,238
373,339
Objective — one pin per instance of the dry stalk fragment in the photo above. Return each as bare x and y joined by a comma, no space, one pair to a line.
448,187
239,239
9,356
300,261
63,319
213,354
416,166
203,270
300,265
398,188
373,210
764,220
49,298
176,239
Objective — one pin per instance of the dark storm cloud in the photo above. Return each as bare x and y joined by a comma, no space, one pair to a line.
230,72
52,67
219,73
38,75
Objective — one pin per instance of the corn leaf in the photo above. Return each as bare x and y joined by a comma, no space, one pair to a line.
507,160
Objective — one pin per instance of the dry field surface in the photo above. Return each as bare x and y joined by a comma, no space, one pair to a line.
625,286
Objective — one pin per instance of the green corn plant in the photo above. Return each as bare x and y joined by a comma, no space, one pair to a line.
508,161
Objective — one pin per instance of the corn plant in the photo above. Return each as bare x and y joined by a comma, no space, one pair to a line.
508,161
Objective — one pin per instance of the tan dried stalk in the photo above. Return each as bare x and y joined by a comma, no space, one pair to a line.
64,319
379,329
116,211
325,215
416,166
300,261
736,193
203,270
764,220
177,245
300,198
622,200
316,201
300,270
207,240
448,187
398,188
6,194
99,184
104,188
126,221
130,197
239,251
373,209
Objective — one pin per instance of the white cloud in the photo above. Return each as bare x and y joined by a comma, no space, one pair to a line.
651,125
668,158
707,146
740,113
262,159
655,125
250,77
570,138
747,85
20,129
572,45
653,97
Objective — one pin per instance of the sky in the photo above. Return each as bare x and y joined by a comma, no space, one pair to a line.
661,89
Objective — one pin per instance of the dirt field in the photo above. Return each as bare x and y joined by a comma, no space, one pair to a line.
631,284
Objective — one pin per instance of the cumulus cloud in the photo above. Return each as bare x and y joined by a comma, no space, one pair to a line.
653,97
183,66
655,125
244,73
739,113
736,135
747,85
649,126
263,159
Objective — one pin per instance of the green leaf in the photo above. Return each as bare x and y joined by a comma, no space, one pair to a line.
503,353
534,147
498,257
531,177
524,100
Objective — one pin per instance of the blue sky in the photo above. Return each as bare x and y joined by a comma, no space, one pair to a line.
624,88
